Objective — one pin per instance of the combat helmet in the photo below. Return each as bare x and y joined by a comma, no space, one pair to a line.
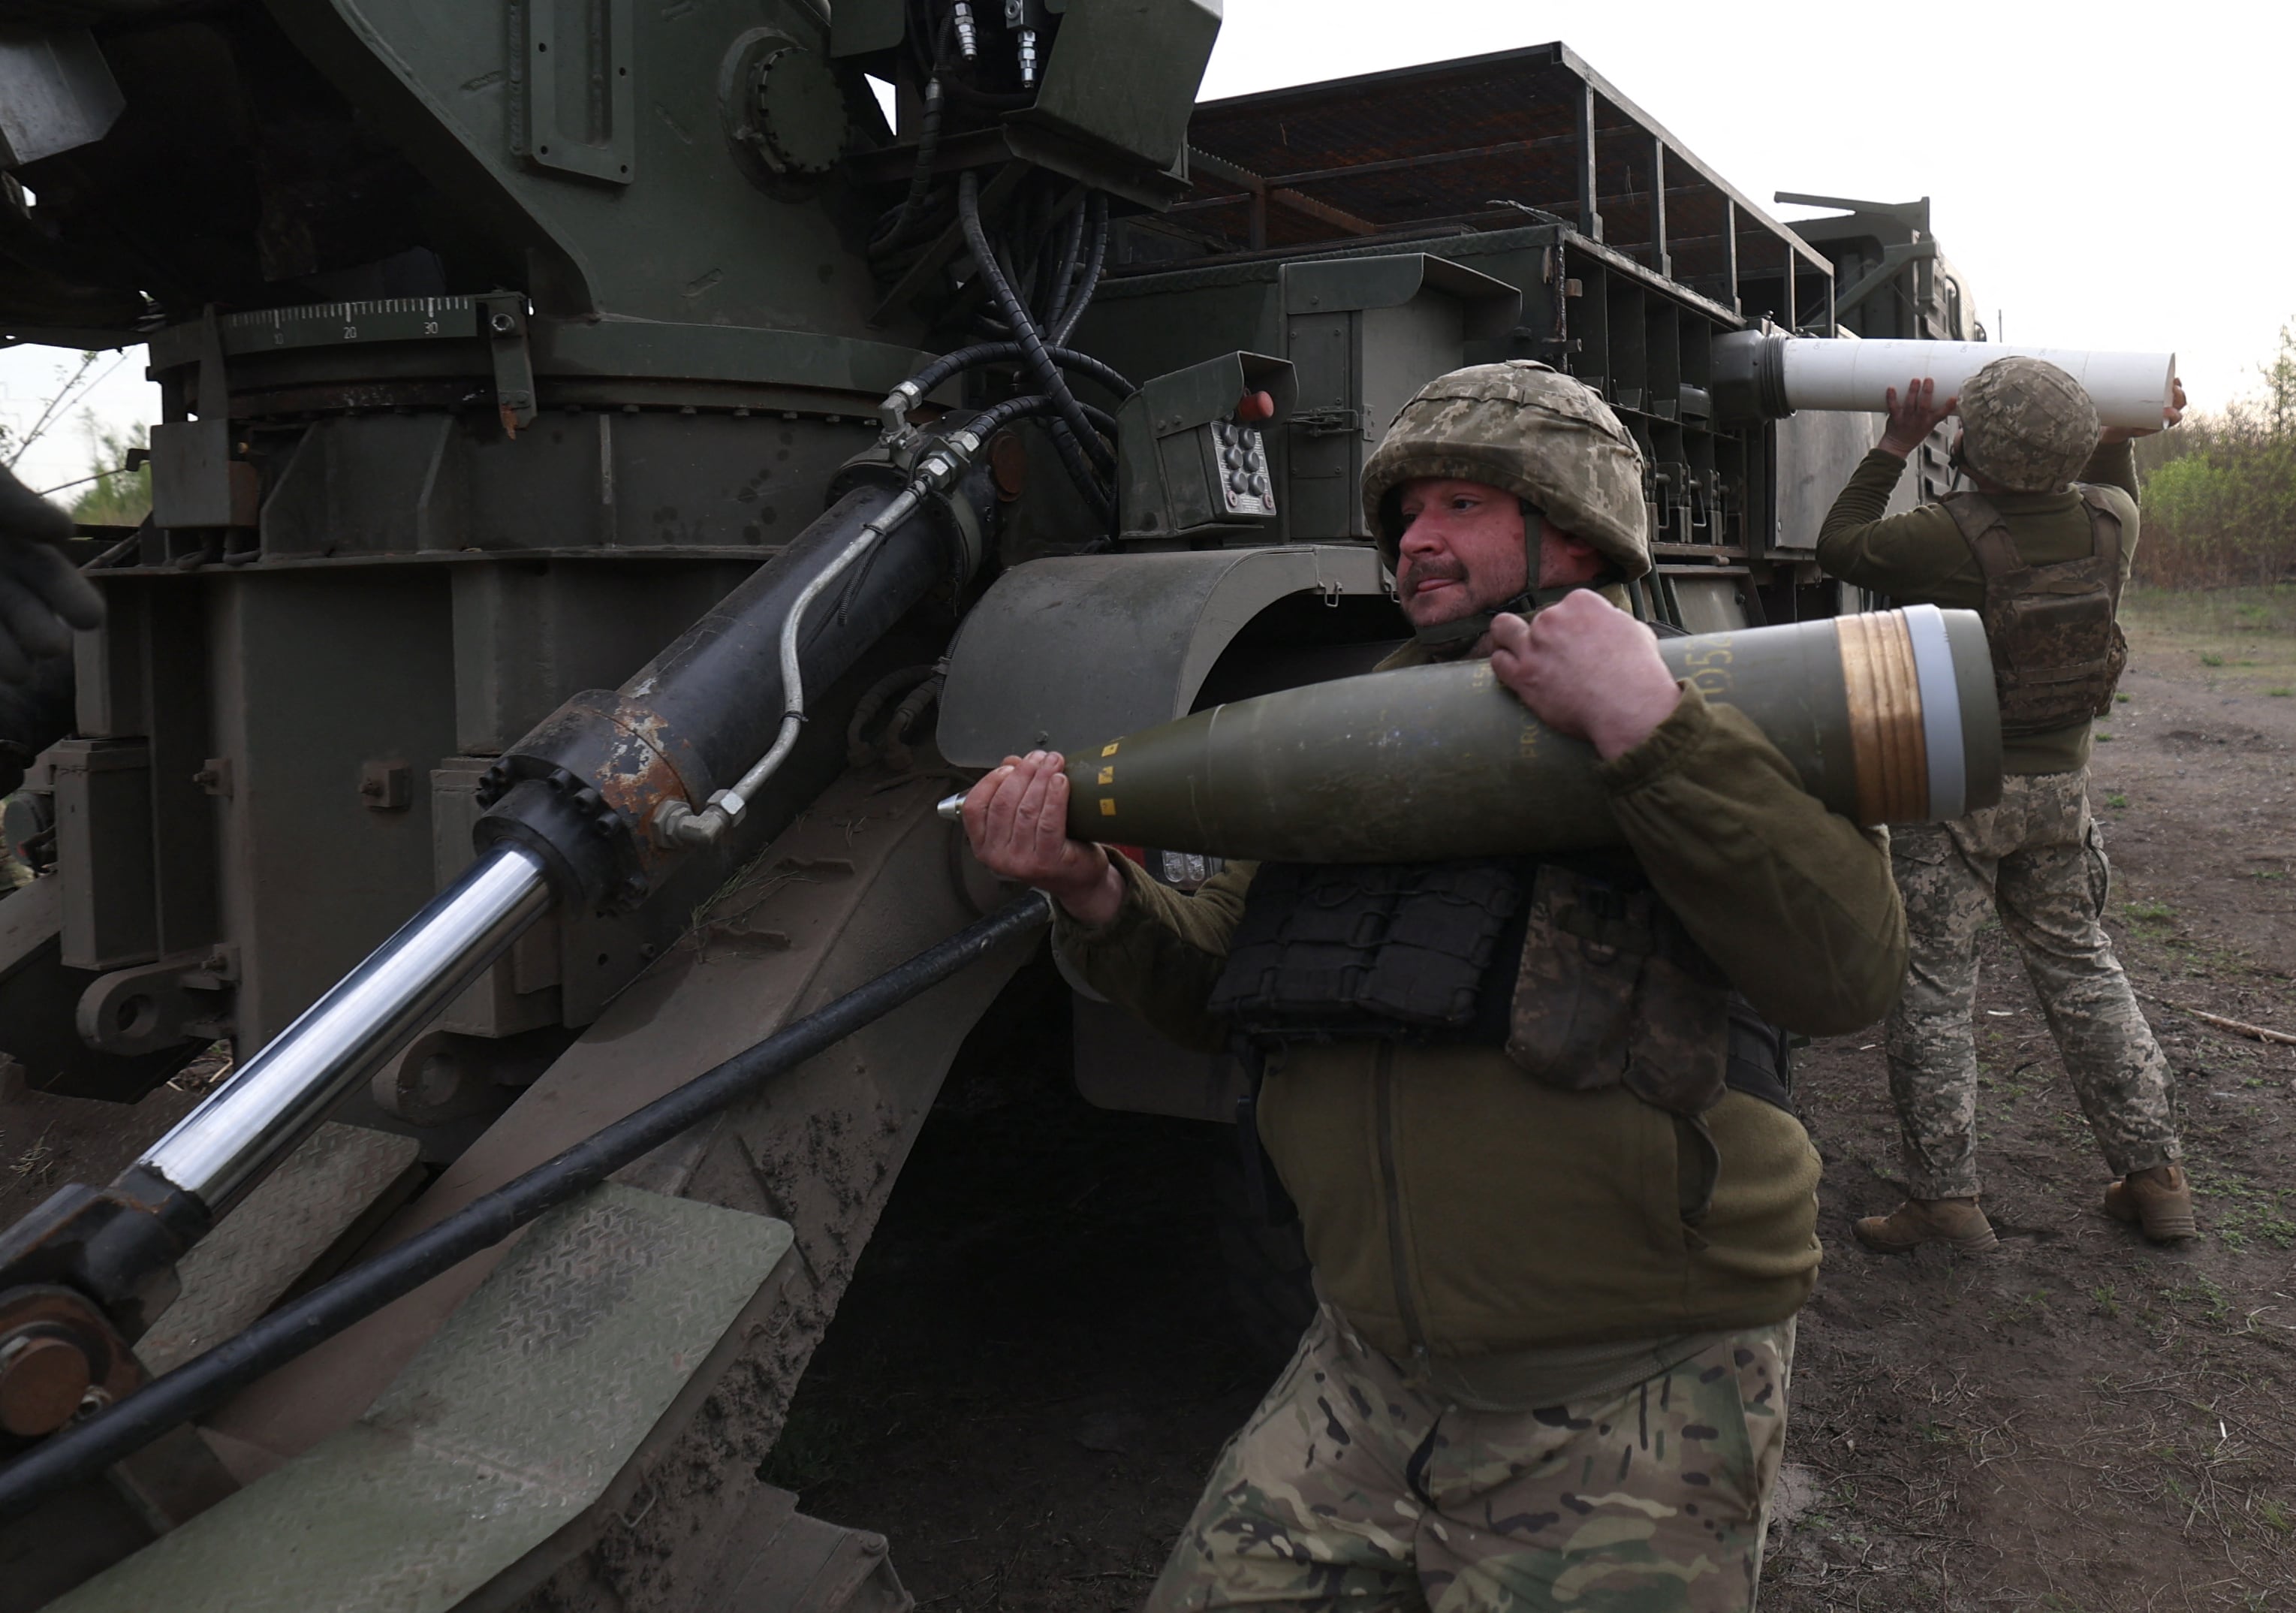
1524,427
2025,424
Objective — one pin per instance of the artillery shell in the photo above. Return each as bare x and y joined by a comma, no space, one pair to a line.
1888,718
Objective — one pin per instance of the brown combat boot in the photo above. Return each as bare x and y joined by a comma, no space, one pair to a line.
2159,1200
1956,1222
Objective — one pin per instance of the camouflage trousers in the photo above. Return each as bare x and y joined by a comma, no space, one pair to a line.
1351,1489
2038,860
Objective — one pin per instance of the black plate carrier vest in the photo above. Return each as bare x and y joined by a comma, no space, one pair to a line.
1573,965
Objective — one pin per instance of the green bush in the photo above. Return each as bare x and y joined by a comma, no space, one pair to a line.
2219,493
113,495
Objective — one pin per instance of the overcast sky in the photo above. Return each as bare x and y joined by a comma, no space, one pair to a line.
2108,175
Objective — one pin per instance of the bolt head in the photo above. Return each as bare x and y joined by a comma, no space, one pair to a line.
43,1379
502,323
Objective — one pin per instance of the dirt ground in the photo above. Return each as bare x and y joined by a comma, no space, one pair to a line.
1037,1364
2082,1421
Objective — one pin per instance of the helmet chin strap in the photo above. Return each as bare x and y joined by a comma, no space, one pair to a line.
1446,640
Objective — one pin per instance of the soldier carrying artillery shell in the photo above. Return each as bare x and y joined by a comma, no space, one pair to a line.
1535,1113
2041,547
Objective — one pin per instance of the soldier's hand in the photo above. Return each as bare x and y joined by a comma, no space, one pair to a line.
2171,413
42,597
1586,669
1913,417
1017,819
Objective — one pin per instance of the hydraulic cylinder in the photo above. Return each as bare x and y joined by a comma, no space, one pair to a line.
220,1147
569,822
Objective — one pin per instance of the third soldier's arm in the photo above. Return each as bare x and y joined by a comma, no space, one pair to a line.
1796,903
1901,555
2114,465
1913,556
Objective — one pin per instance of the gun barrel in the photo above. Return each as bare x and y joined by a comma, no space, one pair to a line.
1888,718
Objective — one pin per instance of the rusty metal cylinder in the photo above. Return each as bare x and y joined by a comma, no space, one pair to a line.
581,789
1888,718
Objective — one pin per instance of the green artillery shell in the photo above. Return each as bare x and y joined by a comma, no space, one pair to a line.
1888,718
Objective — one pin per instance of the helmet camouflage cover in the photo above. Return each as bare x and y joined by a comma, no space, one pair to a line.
1531,431
2026,424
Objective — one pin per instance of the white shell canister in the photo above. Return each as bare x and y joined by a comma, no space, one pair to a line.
2129,389
1766,376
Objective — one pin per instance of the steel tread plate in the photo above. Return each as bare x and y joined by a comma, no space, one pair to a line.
239,1271
509,1422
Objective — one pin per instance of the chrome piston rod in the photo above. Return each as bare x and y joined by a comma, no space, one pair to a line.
273,1101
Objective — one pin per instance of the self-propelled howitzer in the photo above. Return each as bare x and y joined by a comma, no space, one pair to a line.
877,365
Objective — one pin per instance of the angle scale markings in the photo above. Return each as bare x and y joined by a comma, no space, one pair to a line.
336,324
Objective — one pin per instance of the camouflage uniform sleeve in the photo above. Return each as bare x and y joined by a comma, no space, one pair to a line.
1918,557
1796,902
1160,956
2113,467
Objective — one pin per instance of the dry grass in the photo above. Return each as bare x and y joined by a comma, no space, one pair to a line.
2240,640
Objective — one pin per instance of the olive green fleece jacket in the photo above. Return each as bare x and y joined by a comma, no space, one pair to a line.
1921,558
1453,1203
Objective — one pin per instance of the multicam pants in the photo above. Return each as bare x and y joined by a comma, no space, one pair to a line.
2038,859
1351,1489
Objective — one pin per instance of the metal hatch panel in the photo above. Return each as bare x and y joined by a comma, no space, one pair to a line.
338,1176
1074,650
469,1464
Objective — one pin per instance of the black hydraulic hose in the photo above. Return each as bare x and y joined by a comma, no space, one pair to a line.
896,232
1095,262
998,415
1004,413
1003,352
1024,285
989,101
983,426
1102,502
1064,277
1024,328
926,40
202,1383
939,212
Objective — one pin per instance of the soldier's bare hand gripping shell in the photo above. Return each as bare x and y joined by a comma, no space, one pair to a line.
1586,669
1016,819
